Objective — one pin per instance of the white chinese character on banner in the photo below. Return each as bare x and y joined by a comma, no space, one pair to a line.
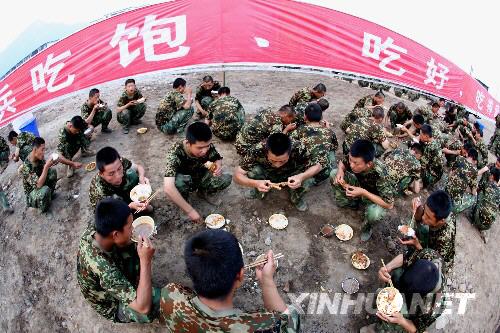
438,71
52,67
489,107
387,48
152,35
479,99
5,101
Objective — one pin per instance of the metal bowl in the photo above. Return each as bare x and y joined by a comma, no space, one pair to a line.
350,285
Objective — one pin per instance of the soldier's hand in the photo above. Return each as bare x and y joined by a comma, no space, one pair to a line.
77,165
267,270
145,249
195,216
339,178
354,191
218,168
143,180
395,318
137,205
290,127
384,274
263,185
413,241
294,182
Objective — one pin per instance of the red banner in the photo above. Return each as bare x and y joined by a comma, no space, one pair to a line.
194,34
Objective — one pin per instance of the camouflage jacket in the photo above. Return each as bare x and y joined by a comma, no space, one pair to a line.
303,95
399,118
318,141
432,158
226,113
182,311
179,161
257,130
375,180
86,109
482,149
464,130
365,128
426,112
462,176
100,189
364,102
169,105
4,152
69,144
489,200
202,92
4,146
24,139
106,278
30,173
352,116
300,109
402,163
124,99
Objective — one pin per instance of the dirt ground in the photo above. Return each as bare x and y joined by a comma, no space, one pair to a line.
38,286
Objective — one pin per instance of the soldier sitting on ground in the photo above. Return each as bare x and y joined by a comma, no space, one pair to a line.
23,143
399,113
432,158
226,115
204,96
174,110
130,107
363,179
301,107
494,145
462,178
114,274
214,263
307,94
280,161
362,109
95,112
187,171
116,177
39,178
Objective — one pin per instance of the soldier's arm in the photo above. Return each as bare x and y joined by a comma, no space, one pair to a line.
241,178
66,161
377,200
91,115
174,195
140,171
41,180
189,98
143,300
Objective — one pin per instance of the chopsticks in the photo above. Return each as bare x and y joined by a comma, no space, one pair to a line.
263,261
390,280
147,201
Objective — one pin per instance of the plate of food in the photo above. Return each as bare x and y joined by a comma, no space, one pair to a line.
143,226
360,260
140,193
344,232
141,100
211,166
407,231
278,221
215,221
350,285
142,130
389,301
90,166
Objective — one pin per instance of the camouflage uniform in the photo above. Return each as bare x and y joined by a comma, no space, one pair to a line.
102,115
355,114
204,96
320,144
182,311
258,167
171,117
376,181
426,112
485,211
38,197
300,110
379,86
303,95
462,175
485,178
432,163
364,102
227,116
100,189
494,145
4,152
69,144
399,118
464,130
25,144
482,149
424,316
251,136
108,280
455,144
403,168
365,128
191,174
133,113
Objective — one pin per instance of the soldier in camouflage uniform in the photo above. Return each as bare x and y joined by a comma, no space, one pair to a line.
494,145
4,153
39,179
226,115
204,96
370,129
301,107
429,112
130,107
215,265
485,211
280,161
422,270
319,141
174,110
307,94
432,158
362,109
399,91
254,132
115,276
485,173
23,143
399,113
404,168
462,176
363,179
480,146
116,177
95,112
186,170
72,139
463,128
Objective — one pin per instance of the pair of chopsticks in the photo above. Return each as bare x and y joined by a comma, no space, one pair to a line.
263,261
390,280
147,201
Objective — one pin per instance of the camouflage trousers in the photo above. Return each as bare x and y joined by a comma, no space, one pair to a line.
102,117
205,103
69,149
206,183
131,115
494,145
403,185
429,178
462,203
373,212
178,122
124,314
24,152
41,198
324,174
4,158
295,195
379,150
481,218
